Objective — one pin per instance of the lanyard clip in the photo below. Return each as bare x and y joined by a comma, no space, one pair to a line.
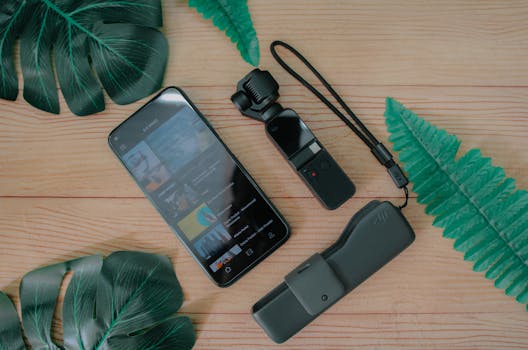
385,157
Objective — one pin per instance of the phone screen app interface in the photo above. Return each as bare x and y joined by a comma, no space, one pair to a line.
201,192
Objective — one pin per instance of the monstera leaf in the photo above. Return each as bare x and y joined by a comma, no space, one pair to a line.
128,301
471,199
87,44
232,16
10,333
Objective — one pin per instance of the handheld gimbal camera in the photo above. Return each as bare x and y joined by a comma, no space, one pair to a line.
256,97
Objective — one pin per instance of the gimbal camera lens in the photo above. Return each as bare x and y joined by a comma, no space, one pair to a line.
274,128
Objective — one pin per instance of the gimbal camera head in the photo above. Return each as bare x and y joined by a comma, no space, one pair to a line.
256,95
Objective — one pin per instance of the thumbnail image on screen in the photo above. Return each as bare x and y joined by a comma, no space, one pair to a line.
178,200
146,167
213,242
197,221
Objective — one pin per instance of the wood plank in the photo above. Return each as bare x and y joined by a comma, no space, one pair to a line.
45,155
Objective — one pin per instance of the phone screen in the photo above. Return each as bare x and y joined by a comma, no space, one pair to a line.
199,188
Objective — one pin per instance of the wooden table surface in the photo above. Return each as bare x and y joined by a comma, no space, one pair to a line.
462,64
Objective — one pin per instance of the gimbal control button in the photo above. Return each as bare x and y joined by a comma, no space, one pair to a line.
314,147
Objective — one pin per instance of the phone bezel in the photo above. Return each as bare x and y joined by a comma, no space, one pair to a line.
246,269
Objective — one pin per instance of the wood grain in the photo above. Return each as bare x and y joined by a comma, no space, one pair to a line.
459,63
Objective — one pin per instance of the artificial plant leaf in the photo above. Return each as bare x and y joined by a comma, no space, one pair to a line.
39,290
136,295
116,39
40,88
126,301
79,303
10,332
232,17
11,18
175,333
471,199
119,58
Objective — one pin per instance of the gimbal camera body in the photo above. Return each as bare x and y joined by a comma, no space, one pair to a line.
256,97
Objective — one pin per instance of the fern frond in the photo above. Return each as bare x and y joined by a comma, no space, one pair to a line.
472,200
232,17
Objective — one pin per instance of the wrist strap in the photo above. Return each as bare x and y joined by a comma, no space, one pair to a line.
381,153
373,237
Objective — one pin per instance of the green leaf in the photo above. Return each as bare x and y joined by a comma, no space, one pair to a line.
471,199
135,293
232,17
128,301
10,332
39,290
116,39
79,303
11,18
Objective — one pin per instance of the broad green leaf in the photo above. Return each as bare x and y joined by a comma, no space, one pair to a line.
472,200
11,18
112,43
136,292
79,303
232,17
39,290
127,301
35,58
10,332
175,333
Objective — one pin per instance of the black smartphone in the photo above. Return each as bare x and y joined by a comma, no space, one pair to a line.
198,186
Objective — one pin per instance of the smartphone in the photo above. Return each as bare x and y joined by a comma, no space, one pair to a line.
205,195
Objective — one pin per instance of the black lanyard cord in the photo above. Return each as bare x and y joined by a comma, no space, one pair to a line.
377,148
367,137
